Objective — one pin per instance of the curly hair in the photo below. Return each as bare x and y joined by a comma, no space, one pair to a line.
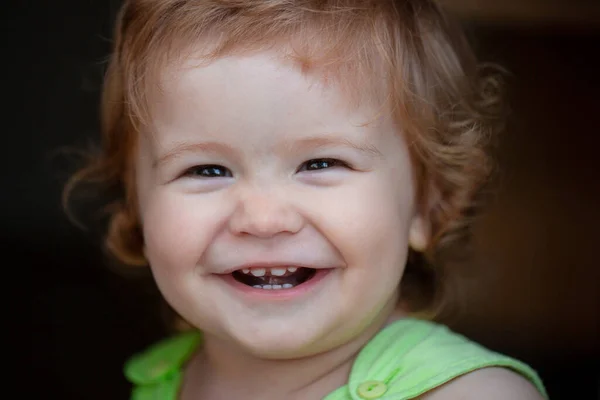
447,105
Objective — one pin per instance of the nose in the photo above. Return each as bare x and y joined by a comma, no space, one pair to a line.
264,215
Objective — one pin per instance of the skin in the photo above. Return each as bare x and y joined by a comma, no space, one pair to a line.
296,175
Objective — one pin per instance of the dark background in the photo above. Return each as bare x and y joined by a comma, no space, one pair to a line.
535,291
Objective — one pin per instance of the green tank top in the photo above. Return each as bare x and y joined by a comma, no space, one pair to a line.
403,361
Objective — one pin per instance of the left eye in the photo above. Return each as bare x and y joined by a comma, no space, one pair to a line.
321,163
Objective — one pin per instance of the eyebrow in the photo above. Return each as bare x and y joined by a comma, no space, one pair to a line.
297,146
183,148
310,143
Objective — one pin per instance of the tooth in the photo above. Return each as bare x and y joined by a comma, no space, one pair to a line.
276,287
287,286
278,271
292,269
257,287
267,287
246,271
258,272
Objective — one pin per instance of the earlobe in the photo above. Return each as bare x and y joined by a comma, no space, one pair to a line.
419,234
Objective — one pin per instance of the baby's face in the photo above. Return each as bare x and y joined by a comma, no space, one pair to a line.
273,217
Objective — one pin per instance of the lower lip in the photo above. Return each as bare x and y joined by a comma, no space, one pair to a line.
278,294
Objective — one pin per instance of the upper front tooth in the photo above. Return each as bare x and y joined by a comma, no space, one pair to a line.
246,271
278,271
258,271
292,269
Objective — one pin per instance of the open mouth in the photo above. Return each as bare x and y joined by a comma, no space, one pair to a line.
274,278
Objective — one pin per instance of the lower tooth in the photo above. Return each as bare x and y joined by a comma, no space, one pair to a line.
274,287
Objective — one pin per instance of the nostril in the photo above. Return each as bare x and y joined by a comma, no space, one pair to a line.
265,217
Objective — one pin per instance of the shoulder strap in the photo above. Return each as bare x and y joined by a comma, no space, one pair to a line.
412,357
156,372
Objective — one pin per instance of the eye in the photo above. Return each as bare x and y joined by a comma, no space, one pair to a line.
208,171
321,163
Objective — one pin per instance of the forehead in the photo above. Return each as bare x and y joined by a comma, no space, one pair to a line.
263,85
247,76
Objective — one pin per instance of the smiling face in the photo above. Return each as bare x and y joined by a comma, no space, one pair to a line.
254,167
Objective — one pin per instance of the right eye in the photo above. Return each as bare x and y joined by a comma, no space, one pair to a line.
207,171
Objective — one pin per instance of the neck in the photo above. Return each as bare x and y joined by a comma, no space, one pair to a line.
222,371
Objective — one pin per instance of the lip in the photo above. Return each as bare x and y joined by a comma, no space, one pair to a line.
283,294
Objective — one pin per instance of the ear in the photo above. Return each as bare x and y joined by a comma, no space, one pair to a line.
419,233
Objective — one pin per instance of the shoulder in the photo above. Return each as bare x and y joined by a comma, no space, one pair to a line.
489,384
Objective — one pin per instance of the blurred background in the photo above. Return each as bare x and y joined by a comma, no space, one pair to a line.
533,289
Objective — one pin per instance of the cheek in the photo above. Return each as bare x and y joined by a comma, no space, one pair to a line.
369,223
177,230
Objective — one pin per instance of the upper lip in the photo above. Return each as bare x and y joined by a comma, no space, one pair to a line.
271,264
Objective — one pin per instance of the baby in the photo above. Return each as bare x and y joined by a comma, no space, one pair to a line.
297,174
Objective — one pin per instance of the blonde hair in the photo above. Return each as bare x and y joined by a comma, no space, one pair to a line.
446,105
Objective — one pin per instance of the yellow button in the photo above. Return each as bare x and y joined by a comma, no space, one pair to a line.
372,390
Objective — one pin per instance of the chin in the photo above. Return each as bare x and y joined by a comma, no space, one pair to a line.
281,344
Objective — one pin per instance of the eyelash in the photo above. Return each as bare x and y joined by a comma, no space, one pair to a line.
200,170
333,161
